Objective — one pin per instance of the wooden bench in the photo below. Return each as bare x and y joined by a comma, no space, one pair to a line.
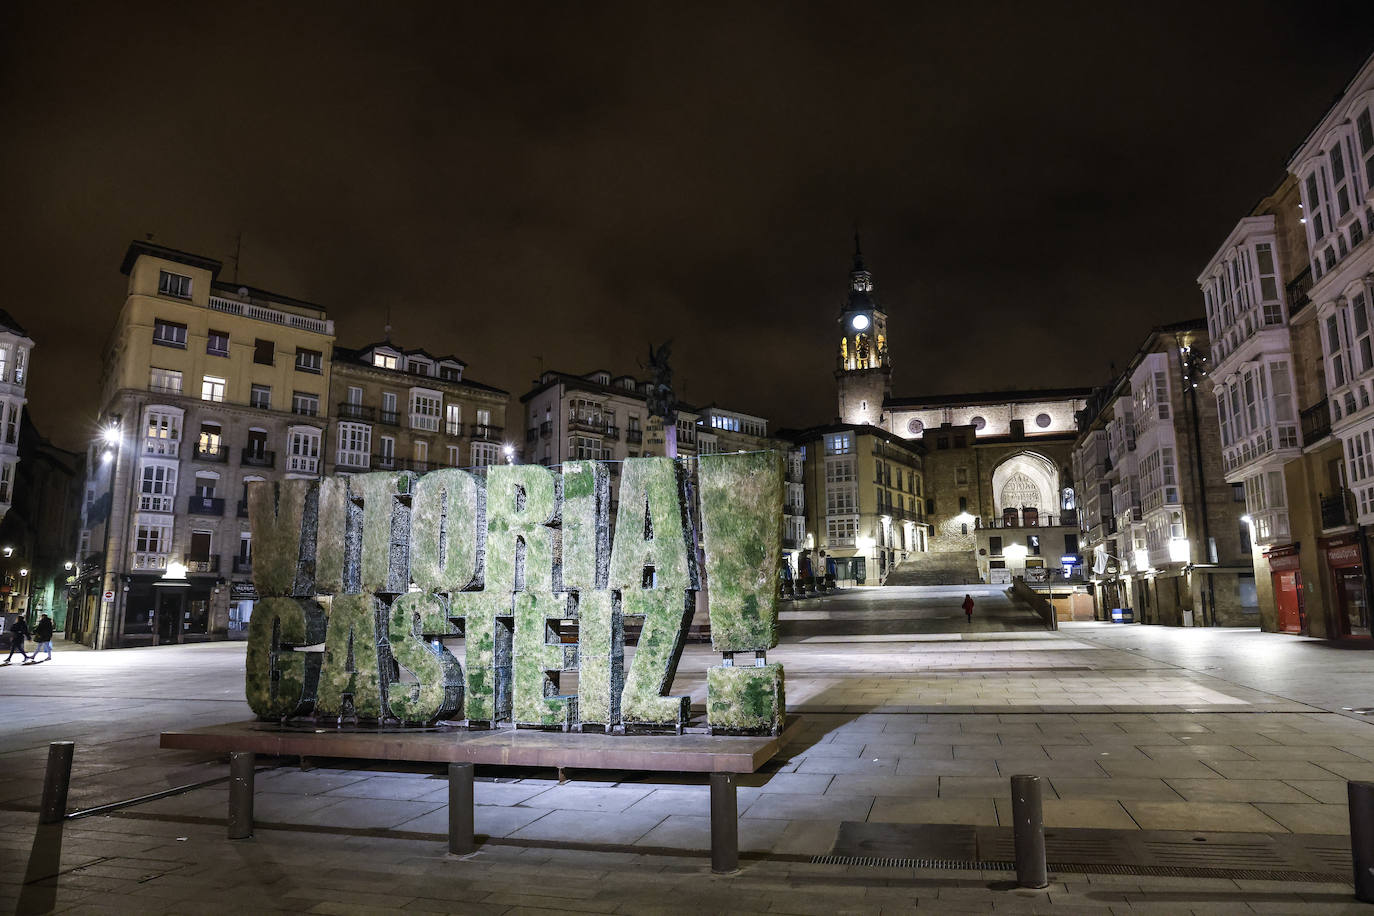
724,758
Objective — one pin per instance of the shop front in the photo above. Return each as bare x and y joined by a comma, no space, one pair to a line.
163,610
1286,575
241,598
1345,560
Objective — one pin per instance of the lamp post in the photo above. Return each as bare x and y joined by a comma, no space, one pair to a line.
113,438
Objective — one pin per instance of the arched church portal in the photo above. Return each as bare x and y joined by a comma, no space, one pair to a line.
1026,480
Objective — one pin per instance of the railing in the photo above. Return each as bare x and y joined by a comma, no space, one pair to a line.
480,431
218,454
156,561
1316,422
794,476
532,434
546,428
453,428
243,564
612,432
200,564
686,437
389,417
1021,521
1336,510
634,436
205,505
351,411
272,316
257,459
587,424
792,509
166,448
425,422
384,462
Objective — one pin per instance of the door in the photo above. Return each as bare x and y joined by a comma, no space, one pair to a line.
168,616
1351,604
200,546
1286,588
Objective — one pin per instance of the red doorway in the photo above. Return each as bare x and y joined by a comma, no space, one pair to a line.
1287,579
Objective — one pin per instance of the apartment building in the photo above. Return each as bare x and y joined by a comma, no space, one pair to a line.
206,386
406,409
863,492
15,350
1160,522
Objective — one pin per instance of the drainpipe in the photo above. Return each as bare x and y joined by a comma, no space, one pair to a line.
1197,459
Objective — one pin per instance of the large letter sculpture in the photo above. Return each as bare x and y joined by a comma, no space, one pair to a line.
363,579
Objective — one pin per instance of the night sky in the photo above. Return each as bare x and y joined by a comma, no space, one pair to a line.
1036,185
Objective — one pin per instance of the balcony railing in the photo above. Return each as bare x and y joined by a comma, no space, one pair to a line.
480,431
354,460
424,421
200,564
243,564
1336,510
389,417
634,436
272,316
532,434
384,462
214,453
612,432
257,459
587,424
453,428
546,428
1026,520
792,509
1316,422
165,448
150,561
350,411
205,505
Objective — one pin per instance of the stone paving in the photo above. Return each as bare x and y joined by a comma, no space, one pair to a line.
921,730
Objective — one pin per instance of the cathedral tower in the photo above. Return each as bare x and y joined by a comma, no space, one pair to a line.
863,371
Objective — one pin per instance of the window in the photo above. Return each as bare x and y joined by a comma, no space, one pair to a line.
839,444
169,333
158,487
206,484
843,500
389,408
261,397
580,448
170,284
994,546
264,352
841,532
453,456
1366,134
167,380
210,442
355,395
421,450
453,419
483,454
152,538
383,361
424,410
450,373
304,454
309,361
305,404
212,388
217,343
961,477
163,433
355,445
484,420
386,452
1339,180
19,360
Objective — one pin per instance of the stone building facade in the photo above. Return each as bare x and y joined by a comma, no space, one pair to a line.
16,348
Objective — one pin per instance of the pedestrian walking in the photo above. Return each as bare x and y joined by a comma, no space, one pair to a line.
42,635
968,607
19,631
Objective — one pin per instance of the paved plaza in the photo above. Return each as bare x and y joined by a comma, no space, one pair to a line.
1207,768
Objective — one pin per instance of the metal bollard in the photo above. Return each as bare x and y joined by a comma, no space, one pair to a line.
56,779
461,842
724,824
1361,798
1028,832
241,764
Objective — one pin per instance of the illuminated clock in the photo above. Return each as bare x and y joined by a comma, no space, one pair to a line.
859,322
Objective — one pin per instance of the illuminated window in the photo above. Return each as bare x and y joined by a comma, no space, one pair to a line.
212,388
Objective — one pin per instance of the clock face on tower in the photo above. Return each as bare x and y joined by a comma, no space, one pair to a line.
859,322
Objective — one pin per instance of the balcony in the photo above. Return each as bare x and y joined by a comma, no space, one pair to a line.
1336,511
480,431
531,434
793,509
205,505
270,315
1012,519
612,432
218,453
243,564
424,422
350,411
790,543
151,562
163,448
634,436
384,462
588,424
355,461
389,417
794,475
686,436
303,464
200,564
453,428
1316,422
546,428
254,458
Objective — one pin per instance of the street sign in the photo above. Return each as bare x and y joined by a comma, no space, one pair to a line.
109,596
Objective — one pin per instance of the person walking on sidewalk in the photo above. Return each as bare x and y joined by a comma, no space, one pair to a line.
968,608
42,635
19,631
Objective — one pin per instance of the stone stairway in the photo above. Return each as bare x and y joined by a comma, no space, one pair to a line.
936,568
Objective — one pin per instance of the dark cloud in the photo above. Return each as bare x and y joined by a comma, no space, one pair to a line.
1036,185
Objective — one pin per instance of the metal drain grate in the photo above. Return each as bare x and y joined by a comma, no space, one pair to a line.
1159,871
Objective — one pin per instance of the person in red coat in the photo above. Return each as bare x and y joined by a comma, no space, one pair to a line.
968,607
